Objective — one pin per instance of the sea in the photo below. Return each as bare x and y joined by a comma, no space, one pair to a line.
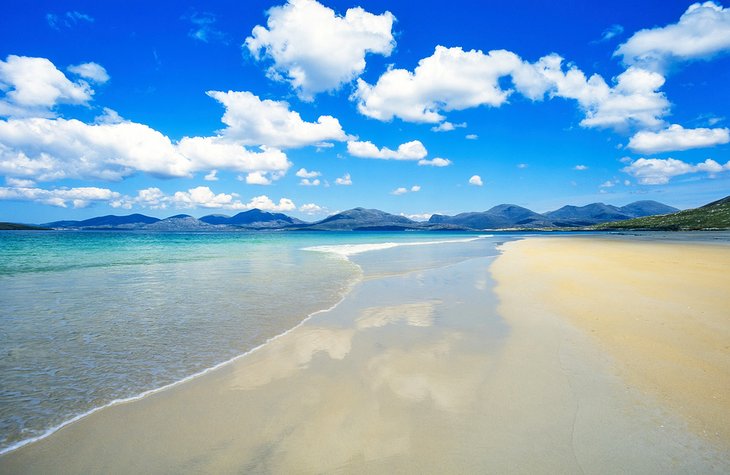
91,319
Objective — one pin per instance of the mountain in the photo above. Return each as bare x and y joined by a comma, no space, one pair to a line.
586,215
361,219
501,216
639,209
254,218
181,222
106,222
715,215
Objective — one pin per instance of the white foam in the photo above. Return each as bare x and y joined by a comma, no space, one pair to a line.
60,426
347,250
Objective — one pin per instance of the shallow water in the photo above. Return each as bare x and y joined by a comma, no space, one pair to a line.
87,318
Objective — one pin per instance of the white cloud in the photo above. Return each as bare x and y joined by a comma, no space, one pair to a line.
108,116
435,162
212,176
316,50
580,167
54,149
471,136
311,208
676,137
418,216
252,121
34,86
19,182
309,182
91,71
476,180
447,126
399,191
206,153
702,32
257,178
454,79
655,171
450,79
632,100
413,150
61,197
303,173
522,166
203,197
415,188
345,180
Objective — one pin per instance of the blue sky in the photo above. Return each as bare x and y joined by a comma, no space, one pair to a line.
310,108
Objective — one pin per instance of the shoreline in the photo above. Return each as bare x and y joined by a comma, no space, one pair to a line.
339,251
428,371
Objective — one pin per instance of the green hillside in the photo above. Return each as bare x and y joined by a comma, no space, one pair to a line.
19,227
715,215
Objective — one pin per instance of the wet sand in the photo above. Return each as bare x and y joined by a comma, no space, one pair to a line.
424,372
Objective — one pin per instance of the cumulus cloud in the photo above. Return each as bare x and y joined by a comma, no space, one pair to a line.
418,216
34,86
701,32
655,171
435,162
454,79
252,121
476,180
316,50
212,176
201,197
61,197
415,188
633,100
580,168
413,150
54,149
471,136
91,71
676,138
311,208
344,180
399,191
303,173
450,79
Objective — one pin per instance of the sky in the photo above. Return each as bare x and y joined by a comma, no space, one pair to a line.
310,108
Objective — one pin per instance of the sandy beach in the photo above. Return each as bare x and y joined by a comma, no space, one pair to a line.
562,355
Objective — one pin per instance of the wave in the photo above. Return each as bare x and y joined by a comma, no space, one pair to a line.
347,250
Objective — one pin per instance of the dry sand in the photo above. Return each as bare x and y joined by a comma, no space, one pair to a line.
412,373
661,310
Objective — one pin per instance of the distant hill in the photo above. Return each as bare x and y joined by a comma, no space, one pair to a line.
106,222
254,218
596,213
20,227
361,219
504,216
715,215
501,216
180,222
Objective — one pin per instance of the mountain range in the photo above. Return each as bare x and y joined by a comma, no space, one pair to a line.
504,216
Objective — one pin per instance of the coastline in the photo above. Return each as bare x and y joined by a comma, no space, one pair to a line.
455,368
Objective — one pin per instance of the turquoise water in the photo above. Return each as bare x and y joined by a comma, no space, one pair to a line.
88,318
